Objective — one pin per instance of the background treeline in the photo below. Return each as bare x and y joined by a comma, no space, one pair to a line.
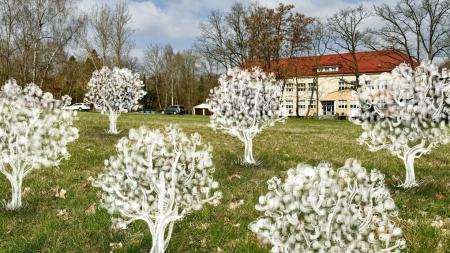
56,45
418,28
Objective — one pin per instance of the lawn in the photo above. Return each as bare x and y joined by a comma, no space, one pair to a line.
48,223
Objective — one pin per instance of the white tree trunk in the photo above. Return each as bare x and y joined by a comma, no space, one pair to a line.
159,240
410,180
113,123
248,153
16,192
158,245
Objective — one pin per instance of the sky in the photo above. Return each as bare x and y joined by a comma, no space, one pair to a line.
177,21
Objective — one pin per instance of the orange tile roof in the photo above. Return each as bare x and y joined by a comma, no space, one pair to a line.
368,62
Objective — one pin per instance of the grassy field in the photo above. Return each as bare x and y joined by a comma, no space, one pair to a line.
73,224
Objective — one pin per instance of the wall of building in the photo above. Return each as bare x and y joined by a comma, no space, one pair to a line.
327,85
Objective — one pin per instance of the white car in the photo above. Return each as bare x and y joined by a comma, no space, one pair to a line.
78,107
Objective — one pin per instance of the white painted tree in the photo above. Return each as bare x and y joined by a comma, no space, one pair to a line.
319,209
245,103
406,112
34,133
158,177
114,92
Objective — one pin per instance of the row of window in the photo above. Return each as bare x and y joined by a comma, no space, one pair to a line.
289,104
301,87
343,85
380,85
342,104
328,69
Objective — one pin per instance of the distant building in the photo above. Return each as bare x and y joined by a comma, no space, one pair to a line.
201,109
336,79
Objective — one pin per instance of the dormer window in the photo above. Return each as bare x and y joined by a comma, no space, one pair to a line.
327,69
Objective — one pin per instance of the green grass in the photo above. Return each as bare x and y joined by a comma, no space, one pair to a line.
37,228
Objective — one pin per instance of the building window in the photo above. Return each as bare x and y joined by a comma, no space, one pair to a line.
301,104
289,104
289,87
354,104
301,87
311,86
312,103
328,69
342,85
382,104
342,104
382,85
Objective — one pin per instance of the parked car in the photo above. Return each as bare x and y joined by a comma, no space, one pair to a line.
78,107
174,109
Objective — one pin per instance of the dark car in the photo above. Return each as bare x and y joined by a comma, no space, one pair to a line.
174,109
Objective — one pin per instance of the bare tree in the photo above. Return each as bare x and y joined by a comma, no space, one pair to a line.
223,37
171,74
153,66
183,77
188,73
35,34
8,11
102,28
237,42
111,35
254,35
208,75
65,33
418,28
276,33
121,35
347,34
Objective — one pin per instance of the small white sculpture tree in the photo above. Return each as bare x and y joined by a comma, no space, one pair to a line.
114,92
158,177
34,133
318,209
405,112
244,103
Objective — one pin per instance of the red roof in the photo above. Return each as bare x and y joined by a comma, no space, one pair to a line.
368,62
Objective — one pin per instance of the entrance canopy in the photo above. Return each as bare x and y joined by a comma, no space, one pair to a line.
346,94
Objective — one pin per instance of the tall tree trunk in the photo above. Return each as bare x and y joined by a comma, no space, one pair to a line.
47,67
157,92
171,91
317,96
34,62
310,100
297,111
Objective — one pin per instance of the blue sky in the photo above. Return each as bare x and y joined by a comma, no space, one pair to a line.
177,21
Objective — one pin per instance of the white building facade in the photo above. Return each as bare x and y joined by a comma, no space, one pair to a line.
336,82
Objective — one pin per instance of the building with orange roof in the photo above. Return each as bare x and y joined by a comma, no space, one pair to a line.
336,78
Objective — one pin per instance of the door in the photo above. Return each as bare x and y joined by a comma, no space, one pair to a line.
328,108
